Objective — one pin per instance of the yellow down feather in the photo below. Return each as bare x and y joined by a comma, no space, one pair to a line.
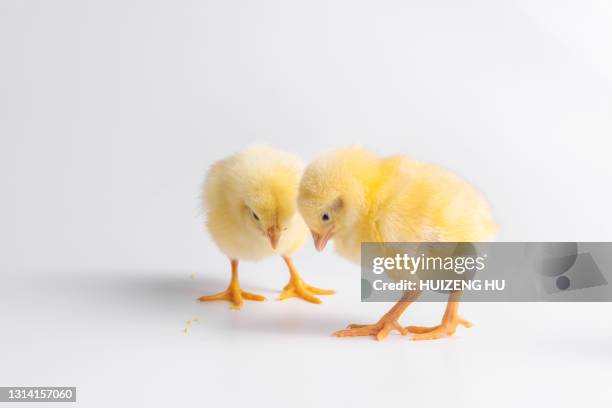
368,198
248,193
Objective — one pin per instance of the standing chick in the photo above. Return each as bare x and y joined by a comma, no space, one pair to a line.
250,203
353,196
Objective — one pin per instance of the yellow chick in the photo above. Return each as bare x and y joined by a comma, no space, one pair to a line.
352,196
251,210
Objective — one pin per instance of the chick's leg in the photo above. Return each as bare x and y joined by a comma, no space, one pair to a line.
386,323
298,288
449,324
233,293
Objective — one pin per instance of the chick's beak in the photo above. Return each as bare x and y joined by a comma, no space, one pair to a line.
320,240
273,234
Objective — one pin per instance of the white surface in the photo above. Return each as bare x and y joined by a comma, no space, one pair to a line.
110,113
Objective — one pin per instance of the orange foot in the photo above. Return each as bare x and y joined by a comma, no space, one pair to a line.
447,327
300,289
380,330
235,295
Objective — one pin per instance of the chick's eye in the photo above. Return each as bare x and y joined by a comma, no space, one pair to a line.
255,215
325,217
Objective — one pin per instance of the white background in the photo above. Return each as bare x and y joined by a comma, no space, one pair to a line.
111,112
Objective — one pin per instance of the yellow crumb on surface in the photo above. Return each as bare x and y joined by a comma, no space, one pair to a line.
185,330
189,321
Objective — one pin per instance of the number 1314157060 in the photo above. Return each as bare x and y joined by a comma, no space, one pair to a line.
32,394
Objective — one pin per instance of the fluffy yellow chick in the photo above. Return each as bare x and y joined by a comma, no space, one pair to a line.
251,209
352,196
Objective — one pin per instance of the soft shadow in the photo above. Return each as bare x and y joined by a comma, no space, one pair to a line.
169,297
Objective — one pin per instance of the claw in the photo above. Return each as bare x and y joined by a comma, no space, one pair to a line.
300,289
381,329
446,328
234,295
